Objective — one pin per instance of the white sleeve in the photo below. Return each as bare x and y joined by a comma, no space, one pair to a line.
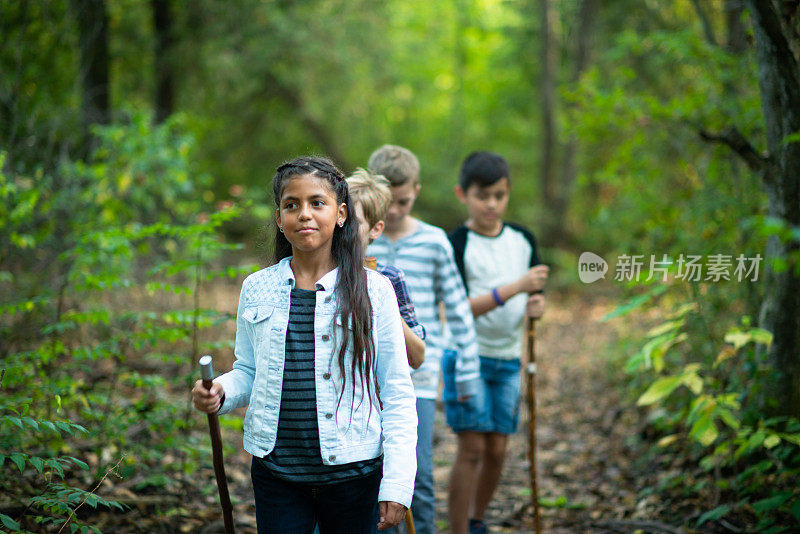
398,413
238,382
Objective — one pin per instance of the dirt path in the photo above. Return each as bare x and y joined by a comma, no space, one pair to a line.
585,471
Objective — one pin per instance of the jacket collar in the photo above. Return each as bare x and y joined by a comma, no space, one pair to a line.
326,283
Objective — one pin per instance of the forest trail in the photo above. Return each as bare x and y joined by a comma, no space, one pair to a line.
587,479
586,475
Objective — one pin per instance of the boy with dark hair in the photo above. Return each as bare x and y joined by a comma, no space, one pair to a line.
425,255
500,267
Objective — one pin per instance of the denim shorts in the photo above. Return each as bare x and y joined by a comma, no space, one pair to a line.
495,406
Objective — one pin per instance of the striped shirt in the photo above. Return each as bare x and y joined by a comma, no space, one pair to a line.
296,456
407,312
426,259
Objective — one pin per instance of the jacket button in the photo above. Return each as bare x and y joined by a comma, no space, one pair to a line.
328,415
325,337
332,457
326,376
327,299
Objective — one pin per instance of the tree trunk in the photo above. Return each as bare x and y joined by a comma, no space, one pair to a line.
548,178
458,111
587,14
708,30
737,37
93,39
779,83
162,26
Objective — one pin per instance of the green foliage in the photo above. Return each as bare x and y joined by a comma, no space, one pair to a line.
98,352
704,408
648,182
103,259
57,502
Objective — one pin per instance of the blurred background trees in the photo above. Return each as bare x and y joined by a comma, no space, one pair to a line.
632,127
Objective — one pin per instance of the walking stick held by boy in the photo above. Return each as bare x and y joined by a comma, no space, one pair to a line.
533,312
207,374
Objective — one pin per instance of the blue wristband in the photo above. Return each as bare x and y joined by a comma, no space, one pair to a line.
497,298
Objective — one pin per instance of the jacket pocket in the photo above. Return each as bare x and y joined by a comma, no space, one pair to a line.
257,314
257,318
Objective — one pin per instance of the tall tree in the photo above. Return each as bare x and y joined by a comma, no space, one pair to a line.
92,22
587,16
550,136
777,40
163,62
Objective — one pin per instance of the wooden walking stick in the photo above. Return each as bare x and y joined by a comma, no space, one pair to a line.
410,522
530,378
207,374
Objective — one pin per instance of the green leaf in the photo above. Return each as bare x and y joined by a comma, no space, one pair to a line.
64,427
714,514
91,500
16,420
50,425
56,466
791,438
771,503
663,328
691,379
795,509
683,310
666,441
659,389
9,523
635,302
37,462
31,422
655,349
79,463
728,418
772,441
19,459
792,138
704,430
739,338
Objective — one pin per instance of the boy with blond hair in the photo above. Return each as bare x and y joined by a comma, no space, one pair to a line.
425,255
371,198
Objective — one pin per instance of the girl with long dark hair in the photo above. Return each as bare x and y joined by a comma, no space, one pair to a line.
321,365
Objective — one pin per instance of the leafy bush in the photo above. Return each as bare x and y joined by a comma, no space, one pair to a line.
104,264
704,408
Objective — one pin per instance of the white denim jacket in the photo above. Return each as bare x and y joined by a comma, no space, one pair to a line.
257,378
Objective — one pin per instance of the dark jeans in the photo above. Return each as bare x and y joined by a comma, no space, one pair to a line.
286,507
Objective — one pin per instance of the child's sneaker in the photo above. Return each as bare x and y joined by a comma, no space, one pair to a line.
477,526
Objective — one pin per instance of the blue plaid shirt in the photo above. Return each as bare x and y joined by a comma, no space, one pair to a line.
407,312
